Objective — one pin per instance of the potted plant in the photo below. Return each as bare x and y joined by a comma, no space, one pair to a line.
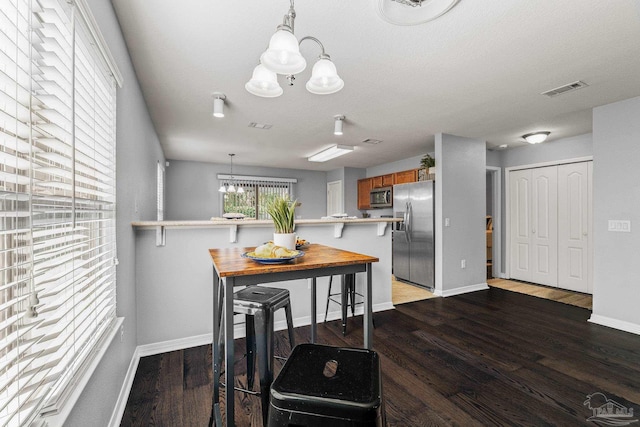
282,212
427,163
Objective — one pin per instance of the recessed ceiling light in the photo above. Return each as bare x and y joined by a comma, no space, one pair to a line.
503,146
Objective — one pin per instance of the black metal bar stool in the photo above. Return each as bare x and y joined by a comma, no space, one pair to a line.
259,304
322,386
347,298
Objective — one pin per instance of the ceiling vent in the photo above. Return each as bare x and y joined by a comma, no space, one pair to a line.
260,126
564,89
371,141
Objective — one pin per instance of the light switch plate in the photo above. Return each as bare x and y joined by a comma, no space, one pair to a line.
619,225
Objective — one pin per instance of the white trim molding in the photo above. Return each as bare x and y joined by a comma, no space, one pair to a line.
123,396
461,290
621,325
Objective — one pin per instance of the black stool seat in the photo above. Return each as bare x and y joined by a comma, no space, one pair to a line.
328,386
253,298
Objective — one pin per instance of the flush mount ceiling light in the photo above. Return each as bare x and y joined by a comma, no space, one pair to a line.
337,127
218,104
229,187
413,12
331,153
536,137
283,57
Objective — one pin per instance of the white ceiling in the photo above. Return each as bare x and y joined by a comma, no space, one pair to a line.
477,71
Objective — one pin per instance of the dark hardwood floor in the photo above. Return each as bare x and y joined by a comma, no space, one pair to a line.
488,358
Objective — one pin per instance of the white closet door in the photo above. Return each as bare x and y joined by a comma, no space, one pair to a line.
544,226
520,224
573,232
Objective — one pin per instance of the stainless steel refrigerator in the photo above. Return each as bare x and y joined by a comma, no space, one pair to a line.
413,238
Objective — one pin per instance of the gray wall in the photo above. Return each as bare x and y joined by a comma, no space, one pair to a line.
138,151
561,149
397,166
351,177
192,189
616,195
460,196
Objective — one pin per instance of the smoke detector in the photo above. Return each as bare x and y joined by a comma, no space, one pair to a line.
413,12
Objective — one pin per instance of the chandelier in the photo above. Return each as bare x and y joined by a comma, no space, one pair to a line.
229,187
283,57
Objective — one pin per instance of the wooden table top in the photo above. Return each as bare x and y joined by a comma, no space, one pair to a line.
229,262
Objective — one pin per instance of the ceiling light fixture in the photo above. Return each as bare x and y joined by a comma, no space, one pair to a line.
218,104
331,153
230,188
337,128
283,57
536,137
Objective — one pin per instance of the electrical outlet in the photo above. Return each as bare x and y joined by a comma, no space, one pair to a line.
122,333
447,222
463,263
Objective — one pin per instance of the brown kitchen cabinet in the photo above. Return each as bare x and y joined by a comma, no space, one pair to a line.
364,188
406,176
382,181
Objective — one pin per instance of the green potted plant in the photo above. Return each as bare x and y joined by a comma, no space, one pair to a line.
282,212
427,163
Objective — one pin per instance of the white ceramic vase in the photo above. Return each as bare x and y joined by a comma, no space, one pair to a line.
285,240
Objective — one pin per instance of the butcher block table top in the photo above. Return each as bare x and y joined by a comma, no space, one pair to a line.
229,262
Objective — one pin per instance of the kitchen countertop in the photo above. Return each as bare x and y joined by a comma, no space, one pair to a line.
256,223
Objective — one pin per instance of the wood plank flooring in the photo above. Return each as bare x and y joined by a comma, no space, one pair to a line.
402,293
541,291
492,357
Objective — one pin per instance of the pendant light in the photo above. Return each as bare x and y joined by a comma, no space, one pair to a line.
230,188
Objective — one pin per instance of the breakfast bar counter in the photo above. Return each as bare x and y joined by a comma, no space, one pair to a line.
233,269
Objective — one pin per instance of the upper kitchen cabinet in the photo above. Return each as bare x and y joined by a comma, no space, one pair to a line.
382,181
405,176
364,188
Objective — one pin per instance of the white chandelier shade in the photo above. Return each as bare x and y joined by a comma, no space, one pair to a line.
324,78
263,83
283,55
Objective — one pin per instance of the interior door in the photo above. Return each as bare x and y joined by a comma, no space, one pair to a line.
544,226
520,224
573,231
334,198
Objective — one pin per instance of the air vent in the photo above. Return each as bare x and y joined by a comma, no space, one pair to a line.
259,125
371,141
564,89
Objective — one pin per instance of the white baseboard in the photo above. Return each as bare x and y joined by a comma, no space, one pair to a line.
121,403
194,341
615,324
461,290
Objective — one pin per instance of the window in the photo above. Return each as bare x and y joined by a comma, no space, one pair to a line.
57,202
257,193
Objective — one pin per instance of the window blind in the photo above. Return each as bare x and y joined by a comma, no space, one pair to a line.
257,193
57,203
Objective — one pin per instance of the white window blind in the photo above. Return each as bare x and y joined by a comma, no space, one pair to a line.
57,203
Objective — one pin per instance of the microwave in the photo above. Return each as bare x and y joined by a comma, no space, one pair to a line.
381,197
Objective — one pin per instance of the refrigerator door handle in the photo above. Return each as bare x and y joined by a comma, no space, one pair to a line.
406,221
409,225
